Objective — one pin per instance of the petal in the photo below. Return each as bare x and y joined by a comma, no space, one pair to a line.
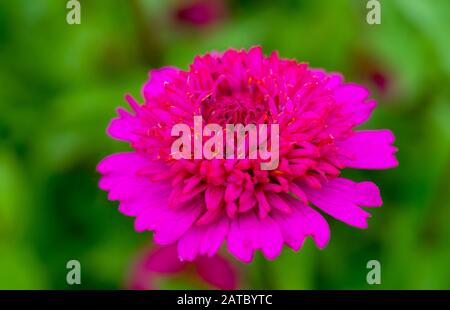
170,224
122,180
147,218
202,240
370,149
153,264
128,188
163,260
334,80
213,196
122,163
353,99
301,223
154,198
240,238
270,238
146,199
364,194
248,233
217,271
214,237
124,127
189,244
350,93
342,199
157,79
117,167
278,203
255,58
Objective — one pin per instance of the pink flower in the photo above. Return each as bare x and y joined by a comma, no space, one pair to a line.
162,262
201,12
377,74
198,204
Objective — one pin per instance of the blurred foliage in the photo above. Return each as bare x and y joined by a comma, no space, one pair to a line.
60,85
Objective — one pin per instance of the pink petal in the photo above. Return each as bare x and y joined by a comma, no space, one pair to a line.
217,271
163,260
130,187
124,127
278,203
146,199
232,192
125,166
301,223
334,80
240,238
158,78
122,163
342,198
350,93
213,196
214,237
154,263
189,244
369,149
123,182
170,224
247,200
154,198
255,60
248,233
353,99
202,240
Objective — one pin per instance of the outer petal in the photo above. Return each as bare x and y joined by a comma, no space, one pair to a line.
342,198
163,260
169,225
301,223
158,78
121,176
155,197
217,271
369,149
145,199
151,264
125,126
122,180
121,164
248,233
255,59
353,99
203,240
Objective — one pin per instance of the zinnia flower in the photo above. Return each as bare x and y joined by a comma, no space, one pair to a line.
198,203
161,263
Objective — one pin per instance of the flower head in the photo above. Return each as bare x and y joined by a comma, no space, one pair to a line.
200,203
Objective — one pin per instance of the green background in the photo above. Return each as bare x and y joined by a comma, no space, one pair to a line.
60,85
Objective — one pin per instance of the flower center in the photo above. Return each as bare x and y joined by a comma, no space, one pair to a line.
242,108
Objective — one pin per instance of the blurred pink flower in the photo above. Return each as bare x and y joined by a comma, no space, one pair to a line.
198,204
376,73
162,262
200,12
